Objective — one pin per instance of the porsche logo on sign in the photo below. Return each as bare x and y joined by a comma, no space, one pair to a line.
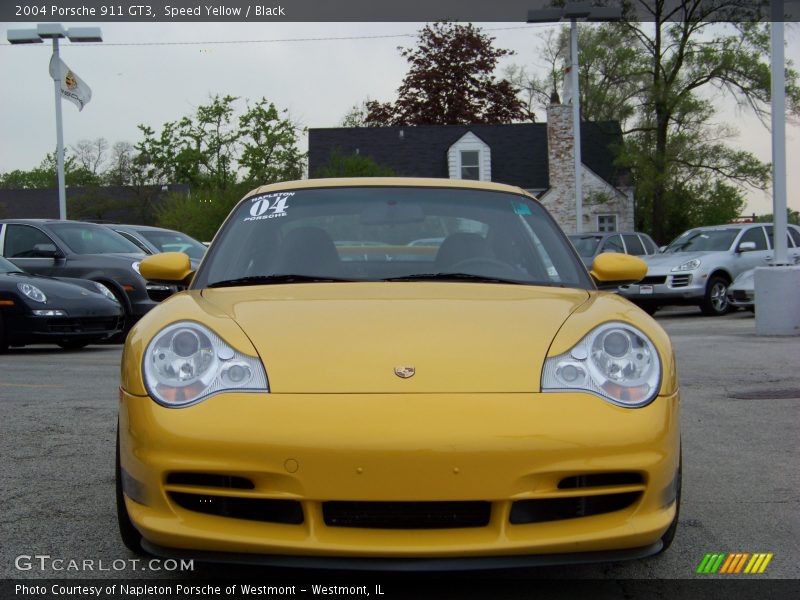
72,83
404,372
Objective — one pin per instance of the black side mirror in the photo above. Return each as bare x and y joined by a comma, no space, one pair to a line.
46,251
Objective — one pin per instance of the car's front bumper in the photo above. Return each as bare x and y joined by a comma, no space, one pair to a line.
25,328
743,298
327,457
667,287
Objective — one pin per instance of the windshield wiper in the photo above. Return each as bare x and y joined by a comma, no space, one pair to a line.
270,279
454,277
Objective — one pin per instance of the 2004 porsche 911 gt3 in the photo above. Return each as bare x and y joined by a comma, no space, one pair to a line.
477,402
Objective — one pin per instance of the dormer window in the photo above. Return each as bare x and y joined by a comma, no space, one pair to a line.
470,158
470,164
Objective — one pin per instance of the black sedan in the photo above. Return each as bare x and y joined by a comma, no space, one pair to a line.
44,310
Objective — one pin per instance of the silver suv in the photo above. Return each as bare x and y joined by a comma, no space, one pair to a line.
697,267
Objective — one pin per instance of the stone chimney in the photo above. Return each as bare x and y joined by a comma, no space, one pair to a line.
561,164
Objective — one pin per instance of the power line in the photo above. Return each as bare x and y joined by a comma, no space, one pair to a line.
287,40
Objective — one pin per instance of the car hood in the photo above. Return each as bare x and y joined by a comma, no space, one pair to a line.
350,337
53,288
672,259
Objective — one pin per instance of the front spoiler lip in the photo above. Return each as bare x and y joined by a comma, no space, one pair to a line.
450,563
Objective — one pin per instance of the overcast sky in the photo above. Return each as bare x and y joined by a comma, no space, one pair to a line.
134,81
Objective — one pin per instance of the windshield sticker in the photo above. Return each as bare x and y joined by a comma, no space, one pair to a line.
520,208
268,206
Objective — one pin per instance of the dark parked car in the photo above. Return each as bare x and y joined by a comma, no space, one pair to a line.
86,251
153,240
593,243
43,310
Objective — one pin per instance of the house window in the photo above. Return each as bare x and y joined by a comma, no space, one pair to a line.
606,222
470,164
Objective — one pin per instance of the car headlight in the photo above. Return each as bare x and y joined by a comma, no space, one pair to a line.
32,292
615,361
187,362
135,267
689,265
105,291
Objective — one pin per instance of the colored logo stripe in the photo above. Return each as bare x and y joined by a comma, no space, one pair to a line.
735,562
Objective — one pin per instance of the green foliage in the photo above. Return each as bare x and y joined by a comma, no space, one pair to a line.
353,165
450,80
268,141
792,217
199,214
45,175
209,149
94,203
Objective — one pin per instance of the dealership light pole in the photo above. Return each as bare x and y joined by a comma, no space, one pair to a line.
56,31
776,287
573,12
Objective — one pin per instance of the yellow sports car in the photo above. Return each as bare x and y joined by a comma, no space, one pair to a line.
378,372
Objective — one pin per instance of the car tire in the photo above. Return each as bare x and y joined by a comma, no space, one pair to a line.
669,534
73,344
119,338
129,534
715,300
648,307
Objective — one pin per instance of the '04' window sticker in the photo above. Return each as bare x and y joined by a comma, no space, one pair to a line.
268,206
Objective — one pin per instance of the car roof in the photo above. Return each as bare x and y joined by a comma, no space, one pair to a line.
389,181
48,221
606,233
139,227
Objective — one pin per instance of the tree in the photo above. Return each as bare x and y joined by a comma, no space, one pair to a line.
269,149
45,175
222,153
666,77
792,217
94,203
353,165
450,81
91,154
207,150
199,214
609,77
198,150
120,169
357,115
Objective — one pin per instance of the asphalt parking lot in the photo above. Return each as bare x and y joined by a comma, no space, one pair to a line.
740,419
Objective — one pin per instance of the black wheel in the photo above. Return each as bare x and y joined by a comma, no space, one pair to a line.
648,307
669,534
715,302
73,344
119,338
3,339
129,534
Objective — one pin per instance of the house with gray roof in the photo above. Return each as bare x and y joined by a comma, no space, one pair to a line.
537,157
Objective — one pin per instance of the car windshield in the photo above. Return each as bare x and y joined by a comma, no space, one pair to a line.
368,234
7,266
86,238
703,240
586,245
174,241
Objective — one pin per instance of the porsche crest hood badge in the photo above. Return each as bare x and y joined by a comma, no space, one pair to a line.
404,372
